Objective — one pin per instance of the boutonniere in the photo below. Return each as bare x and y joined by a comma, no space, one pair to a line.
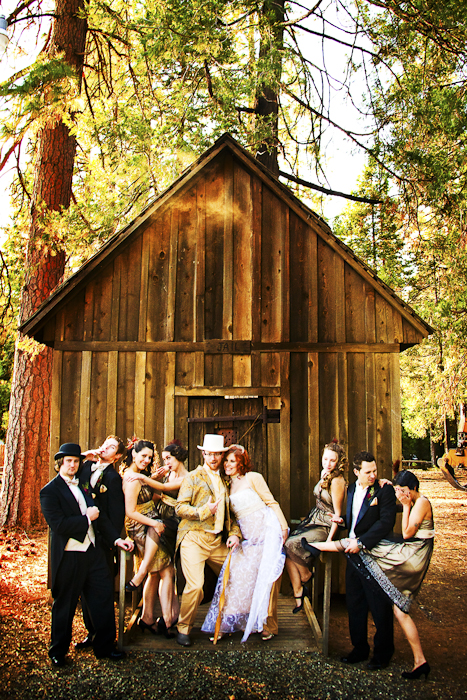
103,488
370,493
86,488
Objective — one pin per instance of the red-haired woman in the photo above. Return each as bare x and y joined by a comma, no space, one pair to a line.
257,563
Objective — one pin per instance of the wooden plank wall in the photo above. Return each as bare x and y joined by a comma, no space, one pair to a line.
227,258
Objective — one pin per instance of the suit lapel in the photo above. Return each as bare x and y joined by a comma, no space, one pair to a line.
350,495
68,496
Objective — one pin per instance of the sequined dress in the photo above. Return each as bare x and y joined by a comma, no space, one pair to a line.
314,528
138,531
398,568
255,564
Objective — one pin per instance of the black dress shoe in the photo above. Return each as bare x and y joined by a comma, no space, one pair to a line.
113,655
376,664
354,657
57,661
85,644
184,639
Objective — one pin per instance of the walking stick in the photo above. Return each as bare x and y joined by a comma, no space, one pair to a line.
225,578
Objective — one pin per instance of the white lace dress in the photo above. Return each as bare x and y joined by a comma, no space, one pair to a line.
255,564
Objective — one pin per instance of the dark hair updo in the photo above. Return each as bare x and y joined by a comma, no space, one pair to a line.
407,478
137,447
176,450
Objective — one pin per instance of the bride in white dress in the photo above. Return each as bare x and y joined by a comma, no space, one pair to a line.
257,562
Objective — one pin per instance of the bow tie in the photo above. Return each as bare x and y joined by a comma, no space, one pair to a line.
95,467
73,482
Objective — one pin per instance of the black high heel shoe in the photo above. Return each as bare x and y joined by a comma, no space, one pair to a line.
309,548
162,629
422,670
130,587
144,626
301,598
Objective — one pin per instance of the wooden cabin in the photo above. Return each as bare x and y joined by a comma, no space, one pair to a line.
229,306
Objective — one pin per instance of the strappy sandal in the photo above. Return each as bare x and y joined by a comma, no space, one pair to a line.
301,598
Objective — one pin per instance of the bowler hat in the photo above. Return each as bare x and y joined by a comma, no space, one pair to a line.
213,443
69,449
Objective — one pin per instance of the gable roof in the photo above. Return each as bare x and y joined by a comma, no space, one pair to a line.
75,282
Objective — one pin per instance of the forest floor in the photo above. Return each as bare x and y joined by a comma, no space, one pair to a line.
440,614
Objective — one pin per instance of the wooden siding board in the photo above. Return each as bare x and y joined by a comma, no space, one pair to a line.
169,405
200,282
271,265
144,284
130,282
126,394
55,409
395,390
342,388
214,268
299,436
172,277
328,398
111,407
73,319
116,294
98,404
314,460
102,305
371,405
85,399
355,300
158,242
356,407
383,416
340,307
257,208
284,466
241,370
70,397
300,276
185,292
270,369
228,257
243,275
370,314
326,294
140,393
185,369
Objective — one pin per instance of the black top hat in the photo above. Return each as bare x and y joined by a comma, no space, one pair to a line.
69,449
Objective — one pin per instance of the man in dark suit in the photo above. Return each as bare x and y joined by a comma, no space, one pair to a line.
100,480
78,566
371,513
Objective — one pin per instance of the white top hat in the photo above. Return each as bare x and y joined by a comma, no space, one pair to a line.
213,443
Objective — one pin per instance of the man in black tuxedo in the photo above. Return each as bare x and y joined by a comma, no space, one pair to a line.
100,480
371,513
78,566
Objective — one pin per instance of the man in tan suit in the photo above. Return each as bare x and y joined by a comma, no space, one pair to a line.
203,506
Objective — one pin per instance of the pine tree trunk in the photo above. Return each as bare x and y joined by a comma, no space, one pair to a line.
267,101
27,444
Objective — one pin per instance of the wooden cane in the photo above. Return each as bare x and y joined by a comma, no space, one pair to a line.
225,578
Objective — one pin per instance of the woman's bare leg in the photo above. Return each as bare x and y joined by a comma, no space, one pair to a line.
298,575
410,630
150,548
167,597
149,598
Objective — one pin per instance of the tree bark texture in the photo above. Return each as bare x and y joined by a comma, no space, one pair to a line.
27,444
267,99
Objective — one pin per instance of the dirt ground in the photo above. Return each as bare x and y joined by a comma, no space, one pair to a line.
440,614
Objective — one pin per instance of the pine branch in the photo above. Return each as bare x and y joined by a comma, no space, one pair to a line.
324,190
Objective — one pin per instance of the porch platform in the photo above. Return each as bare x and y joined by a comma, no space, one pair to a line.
295,634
